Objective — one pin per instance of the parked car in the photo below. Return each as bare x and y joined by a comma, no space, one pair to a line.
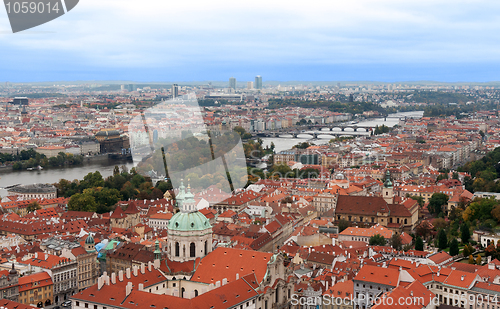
66,303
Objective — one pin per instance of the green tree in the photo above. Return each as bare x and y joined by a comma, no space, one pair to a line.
395,241
419,199
33,206
105,198
92,180
17,166
308,173
419,244
468,250
116,170
377,240
465,233
442,240
303,145
281,171
436,203
239,130
82,202
343,224
164,186
454,247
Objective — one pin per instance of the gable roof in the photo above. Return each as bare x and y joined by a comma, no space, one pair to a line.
363,205
226,263
380,275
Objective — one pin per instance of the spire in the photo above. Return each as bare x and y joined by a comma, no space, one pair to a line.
188,202
388,183
157,251
179,197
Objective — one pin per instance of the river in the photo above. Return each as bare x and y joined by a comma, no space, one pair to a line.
106,167
284,143
53,175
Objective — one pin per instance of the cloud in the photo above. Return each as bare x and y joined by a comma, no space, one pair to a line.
192,34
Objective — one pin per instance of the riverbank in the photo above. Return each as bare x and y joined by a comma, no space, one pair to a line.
86,160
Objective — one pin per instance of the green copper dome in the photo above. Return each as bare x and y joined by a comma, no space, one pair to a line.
90,239
189,221
388,182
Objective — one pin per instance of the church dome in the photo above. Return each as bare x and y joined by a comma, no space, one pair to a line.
89,240
189,221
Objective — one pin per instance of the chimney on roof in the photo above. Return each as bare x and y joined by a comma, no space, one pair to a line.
237,276
462,278
128,273
141,287
120,275
36,255
192,295
134,270
224,281
113,278
217,284
143,268
46,256
384,265
107,279
210,286
150,266
156,264
128,288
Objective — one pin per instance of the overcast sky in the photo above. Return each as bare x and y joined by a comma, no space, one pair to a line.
191,40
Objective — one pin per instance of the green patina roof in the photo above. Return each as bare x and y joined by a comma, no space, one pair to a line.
189,221
109,246
90,239
388,182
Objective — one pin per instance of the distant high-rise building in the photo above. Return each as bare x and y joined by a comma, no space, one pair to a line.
249,85
258,82
175,91
20,101
232,82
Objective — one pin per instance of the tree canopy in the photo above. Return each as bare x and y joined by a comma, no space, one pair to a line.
436,203
377,240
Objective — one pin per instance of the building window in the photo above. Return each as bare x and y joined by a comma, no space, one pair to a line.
192,250
177,249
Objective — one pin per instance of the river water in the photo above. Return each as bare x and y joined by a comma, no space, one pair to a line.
284,143
106,167
53,175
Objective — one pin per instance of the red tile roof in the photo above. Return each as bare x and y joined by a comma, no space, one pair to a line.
380,275
226,263
41,279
